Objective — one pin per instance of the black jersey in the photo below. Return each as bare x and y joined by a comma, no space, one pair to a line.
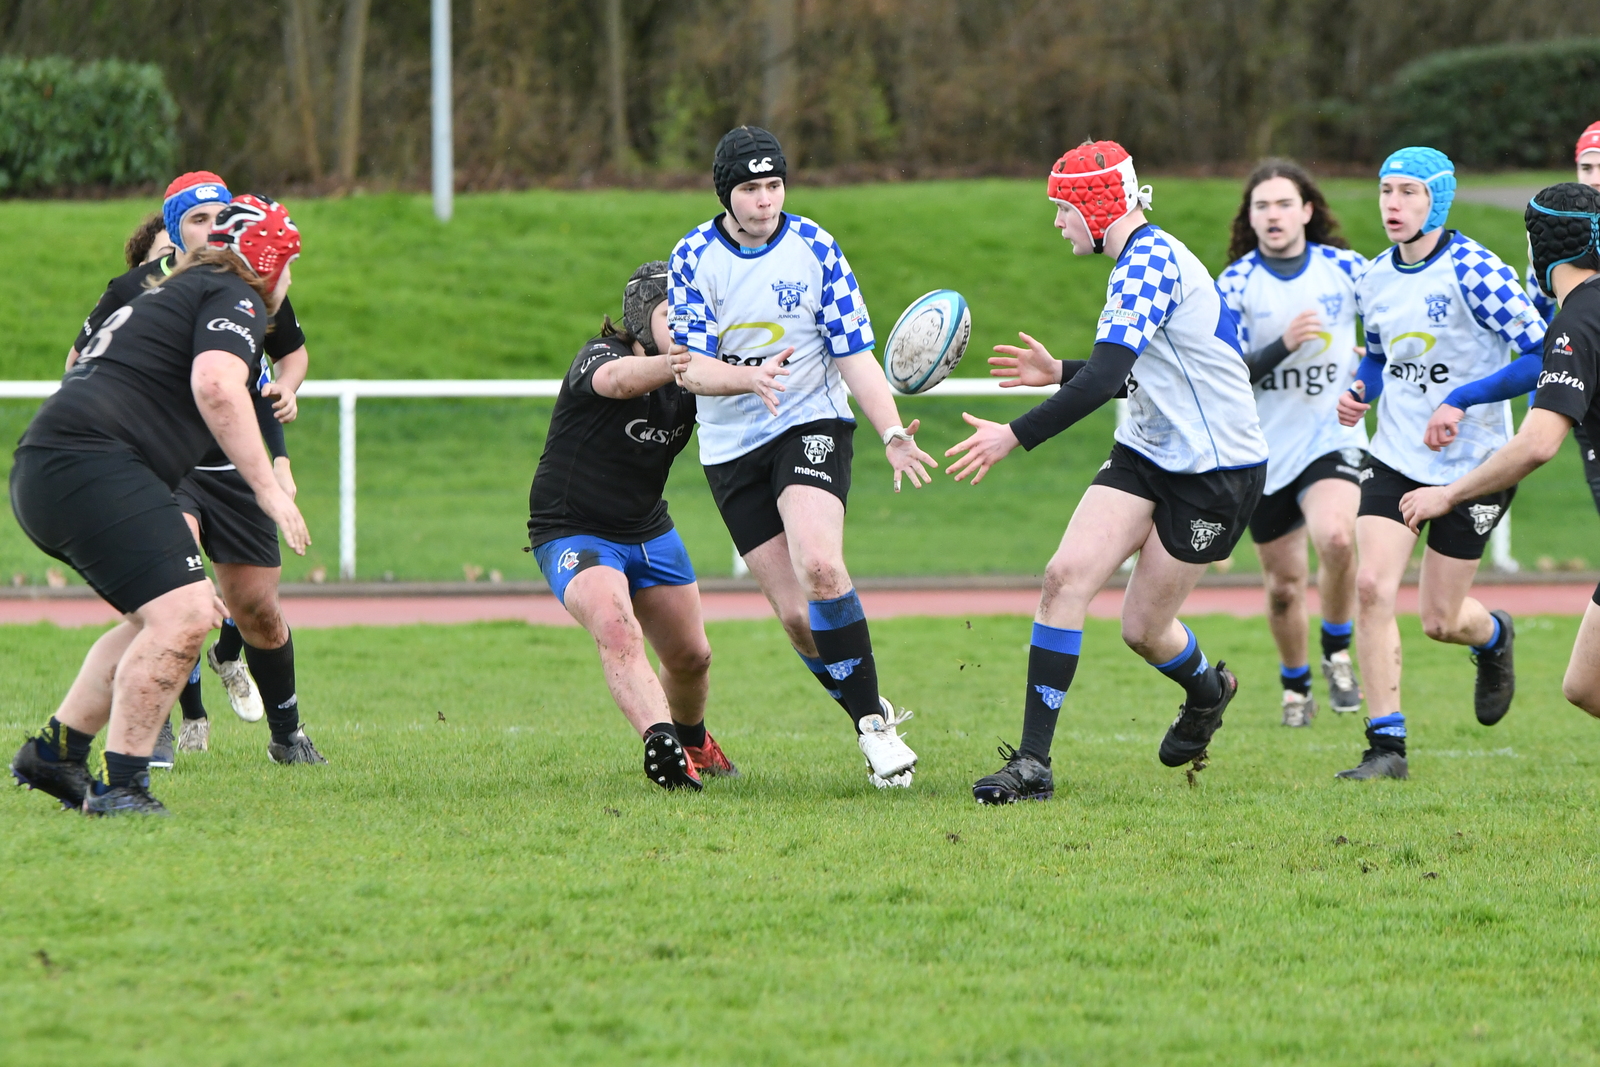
1570,377
130,388
283,338
605,461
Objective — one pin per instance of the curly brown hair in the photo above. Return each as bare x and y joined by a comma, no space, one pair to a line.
142,238
1323,229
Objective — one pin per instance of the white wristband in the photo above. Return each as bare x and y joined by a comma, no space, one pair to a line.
896,432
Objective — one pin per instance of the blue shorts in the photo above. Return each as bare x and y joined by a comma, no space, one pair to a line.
660,561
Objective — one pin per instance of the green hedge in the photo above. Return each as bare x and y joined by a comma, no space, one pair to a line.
72,124
1516,105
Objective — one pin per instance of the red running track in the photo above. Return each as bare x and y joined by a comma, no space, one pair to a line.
315,612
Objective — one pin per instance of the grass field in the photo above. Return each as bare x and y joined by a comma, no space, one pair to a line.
516,282
503,886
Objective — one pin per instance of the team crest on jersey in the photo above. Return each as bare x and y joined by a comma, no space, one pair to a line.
1483,517
1438,306
246,307
1204,533
789,294
1332,304
818,446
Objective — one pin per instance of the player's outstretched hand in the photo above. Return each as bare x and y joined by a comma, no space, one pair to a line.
764,379
285,407
1350,409
1420,505
1442,427
282,511
909,460
1302,328
989,444
1033,365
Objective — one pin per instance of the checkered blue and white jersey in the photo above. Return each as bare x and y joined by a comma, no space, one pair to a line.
1541,303
1439,324
1298,400
1190,409
744,307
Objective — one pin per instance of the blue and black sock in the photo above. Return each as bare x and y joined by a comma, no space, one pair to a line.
57,742
1388,733
1052,662
1296,679
1336,637
124,770
1190,669
230,642
273,670
1496,638
189,700
839,628
819,671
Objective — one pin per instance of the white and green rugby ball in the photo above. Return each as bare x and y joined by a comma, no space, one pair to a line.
927,341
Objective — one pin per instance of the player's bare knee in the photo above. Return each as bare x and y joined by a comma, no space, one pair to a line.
692,662
824,577
1438,626
618,633
1284,594
1338,548
1371,591
1581,696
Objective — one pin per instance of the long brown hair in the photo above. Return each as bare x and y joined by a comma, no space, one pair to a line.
140,240
621,333
222,258
1323,229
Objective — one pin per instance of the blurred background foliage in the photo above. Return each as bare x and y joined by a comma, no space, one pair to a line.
331,93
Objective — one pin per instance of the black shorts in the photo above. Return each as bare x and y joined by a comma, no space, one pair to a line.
108,517
1199,517
746,489
233,528
1461,534
1279,513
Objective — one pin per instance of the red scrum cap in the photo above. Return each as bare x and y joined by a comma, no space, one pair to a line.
1096,180
1589,142
257,230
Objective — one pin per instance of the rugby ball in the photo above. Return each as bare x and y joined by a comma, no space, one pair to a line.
927,341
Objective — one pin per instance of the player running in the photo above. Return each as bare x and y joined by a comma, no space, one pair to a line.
1184,474
769,295
240,539
601,533
1439,310
1292,284
1563,223
165,378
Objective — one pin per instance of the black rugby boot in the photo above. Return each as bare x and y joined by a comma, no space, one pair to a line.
1497,676
1190,733
66,780
166,746
1022,778
1385,757
668,765
131,799
299,749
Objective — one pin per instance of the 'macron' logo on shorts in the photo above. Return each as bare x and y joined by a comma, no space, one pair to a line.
1483,517
568,560
1204,533
818,445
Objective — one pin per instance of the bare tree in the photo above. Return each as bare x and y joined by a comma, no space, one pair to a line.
297,18
352,57
778,65
617,85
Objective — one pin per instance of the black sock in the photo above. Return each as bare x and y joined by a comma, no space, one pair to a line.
60,742
693,736
1190,669
1052,661
1335,637
819,671
230,642
273,670
661,728
189,699
1296,679
122,770
839,628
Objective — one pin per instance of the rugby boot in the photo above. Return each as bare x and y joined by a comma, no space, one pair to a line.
1497,677
1385,757
890,761
243,695
298,750
162,758
667,763
1298,708
1344,691
194,735
1190,733
709,760
66,780
131,799
1022,778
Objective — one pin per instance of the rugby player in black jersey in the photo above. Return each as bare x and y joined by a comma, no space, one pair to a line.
166,378
238,537
1563,223
601,533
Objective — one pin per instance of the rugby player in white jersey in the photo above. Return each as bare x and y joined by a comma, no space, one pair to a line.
1563,223
1439,311
1292,283
769,301
1184,475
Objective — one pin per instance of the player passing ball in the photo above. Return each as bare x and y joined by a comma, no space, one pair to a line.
1184,475
1563,223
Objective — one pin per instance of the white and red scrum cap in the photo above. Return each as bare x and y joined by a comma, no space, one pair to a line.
1589,142
259,231
1096,180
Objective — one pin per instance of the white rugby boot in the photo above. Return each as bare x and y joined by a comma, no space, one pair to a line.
890,761
242,692
194,735
1298,708
1344,690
